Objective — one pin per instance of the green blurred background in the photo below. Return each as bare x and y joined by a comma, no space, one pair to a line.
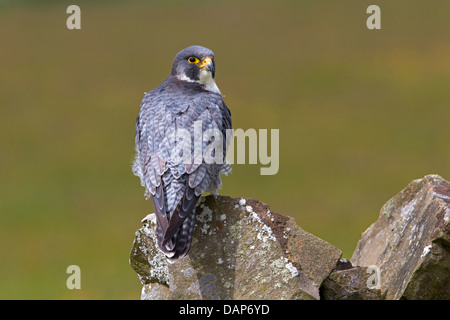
361,113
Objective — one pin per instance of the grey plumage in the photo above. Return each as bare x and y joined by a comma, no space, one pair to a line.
188,95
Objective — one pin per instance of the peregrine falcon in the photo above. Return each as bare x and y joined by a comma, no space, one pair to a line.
188,100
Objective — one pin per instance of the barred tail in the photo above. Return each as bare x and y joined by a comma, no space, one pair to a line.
180,244
174,234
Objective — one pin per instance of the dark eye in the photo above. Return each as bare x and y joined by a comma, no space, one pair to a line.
193,59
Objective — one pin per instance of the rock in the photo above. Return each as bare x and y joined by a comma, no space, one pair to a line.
241,250
410,242
354,283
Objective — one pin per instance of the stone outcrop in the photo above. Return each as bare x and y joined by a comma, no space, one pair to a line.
410,242
352,283
243,250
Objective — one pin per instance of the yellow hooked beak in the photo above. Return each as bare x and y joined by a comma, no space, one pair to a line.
207,64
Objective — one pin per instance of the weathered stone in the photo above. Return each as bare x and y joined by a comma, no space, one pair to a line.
350,284
241,250
410,242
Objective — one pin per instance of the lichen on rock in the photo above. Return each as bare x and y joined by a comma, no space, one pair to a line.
241,250
410,242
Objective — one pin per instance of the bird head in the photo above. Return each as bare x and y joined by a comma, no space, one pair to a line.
196,64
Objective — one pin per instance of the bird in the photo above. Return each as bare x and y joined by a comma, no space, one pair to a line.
186,101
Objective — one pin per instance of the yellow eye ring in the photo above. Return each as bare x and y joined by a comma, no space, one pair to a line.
193,60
